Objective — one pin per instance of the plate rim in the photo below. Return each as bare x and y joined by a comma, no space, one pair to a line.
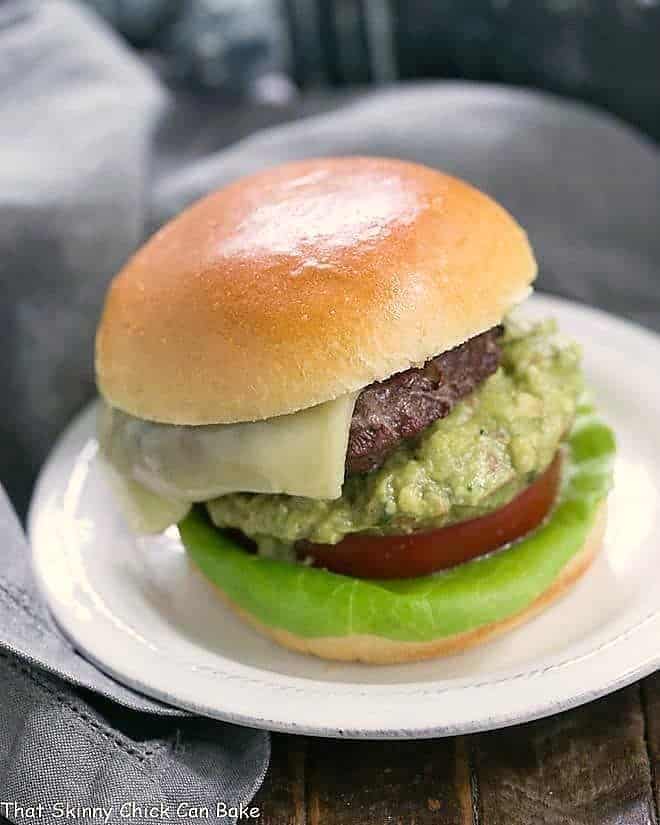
494,722
485,721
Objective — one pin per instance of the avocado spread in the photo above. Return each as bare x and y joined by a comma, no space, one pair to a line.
493,444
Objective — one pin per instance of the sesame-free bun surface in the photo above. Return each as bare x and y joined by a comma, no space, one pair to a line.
378,651
304,282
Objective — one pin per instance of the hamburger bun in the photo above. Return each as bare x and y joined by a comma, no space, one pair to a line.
301,283
375,650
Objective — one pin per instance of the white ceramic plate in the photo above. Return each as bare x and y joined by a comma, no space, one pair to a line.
138,609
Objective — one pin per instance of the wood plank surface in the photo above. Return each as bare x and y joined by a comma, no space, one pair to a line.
419,782
651,704
588,766
376,782
596,764
281,799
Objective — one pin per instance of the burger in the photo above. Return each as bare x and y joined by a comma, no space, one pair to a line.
320,376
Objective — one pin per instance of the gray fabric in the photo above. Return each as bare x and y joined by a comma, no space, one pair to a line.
76,116
59,750
77,113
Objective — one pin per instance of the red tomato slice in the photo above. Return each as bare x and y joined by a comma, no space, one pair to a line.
417,554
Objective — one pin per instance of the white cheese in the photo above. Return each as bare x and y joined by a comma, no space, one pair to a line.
301,454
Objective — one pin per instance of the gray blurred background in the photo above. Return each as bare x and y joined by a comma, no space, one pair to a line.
605,52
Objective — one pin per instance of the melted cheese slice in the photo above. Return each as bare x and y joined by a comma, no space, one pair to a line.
301,454
144,511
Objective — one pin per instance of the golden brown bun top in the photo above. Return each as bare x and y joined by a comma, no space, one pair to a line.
304,282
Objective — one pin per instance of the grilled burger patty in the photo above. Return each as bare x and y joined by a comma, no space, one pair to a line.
406,403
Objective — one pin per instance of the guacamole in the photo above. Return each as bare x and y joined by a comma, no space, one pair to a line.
491,446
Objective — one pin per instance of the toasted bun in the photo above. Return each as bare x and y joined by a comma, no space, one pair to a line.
375,650
304,282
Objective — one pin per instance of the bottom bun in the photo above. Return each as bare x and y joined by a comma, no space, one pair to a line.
376,650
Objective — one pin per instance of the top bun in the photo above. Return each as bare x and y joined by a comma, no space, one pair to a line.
303,282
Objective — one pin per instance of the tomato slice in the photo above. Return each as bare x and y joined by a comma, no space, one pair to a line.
417,554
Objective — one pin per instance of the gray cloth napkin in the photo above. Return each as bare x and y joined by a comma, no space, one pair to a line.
77,113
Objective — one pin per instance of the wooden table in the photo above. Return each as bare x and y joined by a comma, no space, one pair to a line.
596,764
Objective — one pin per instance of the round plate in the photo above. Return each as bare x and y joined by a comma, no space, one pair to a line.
137,607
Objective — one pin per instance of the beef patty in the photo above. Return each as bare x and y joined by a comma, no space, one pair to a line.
406,403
